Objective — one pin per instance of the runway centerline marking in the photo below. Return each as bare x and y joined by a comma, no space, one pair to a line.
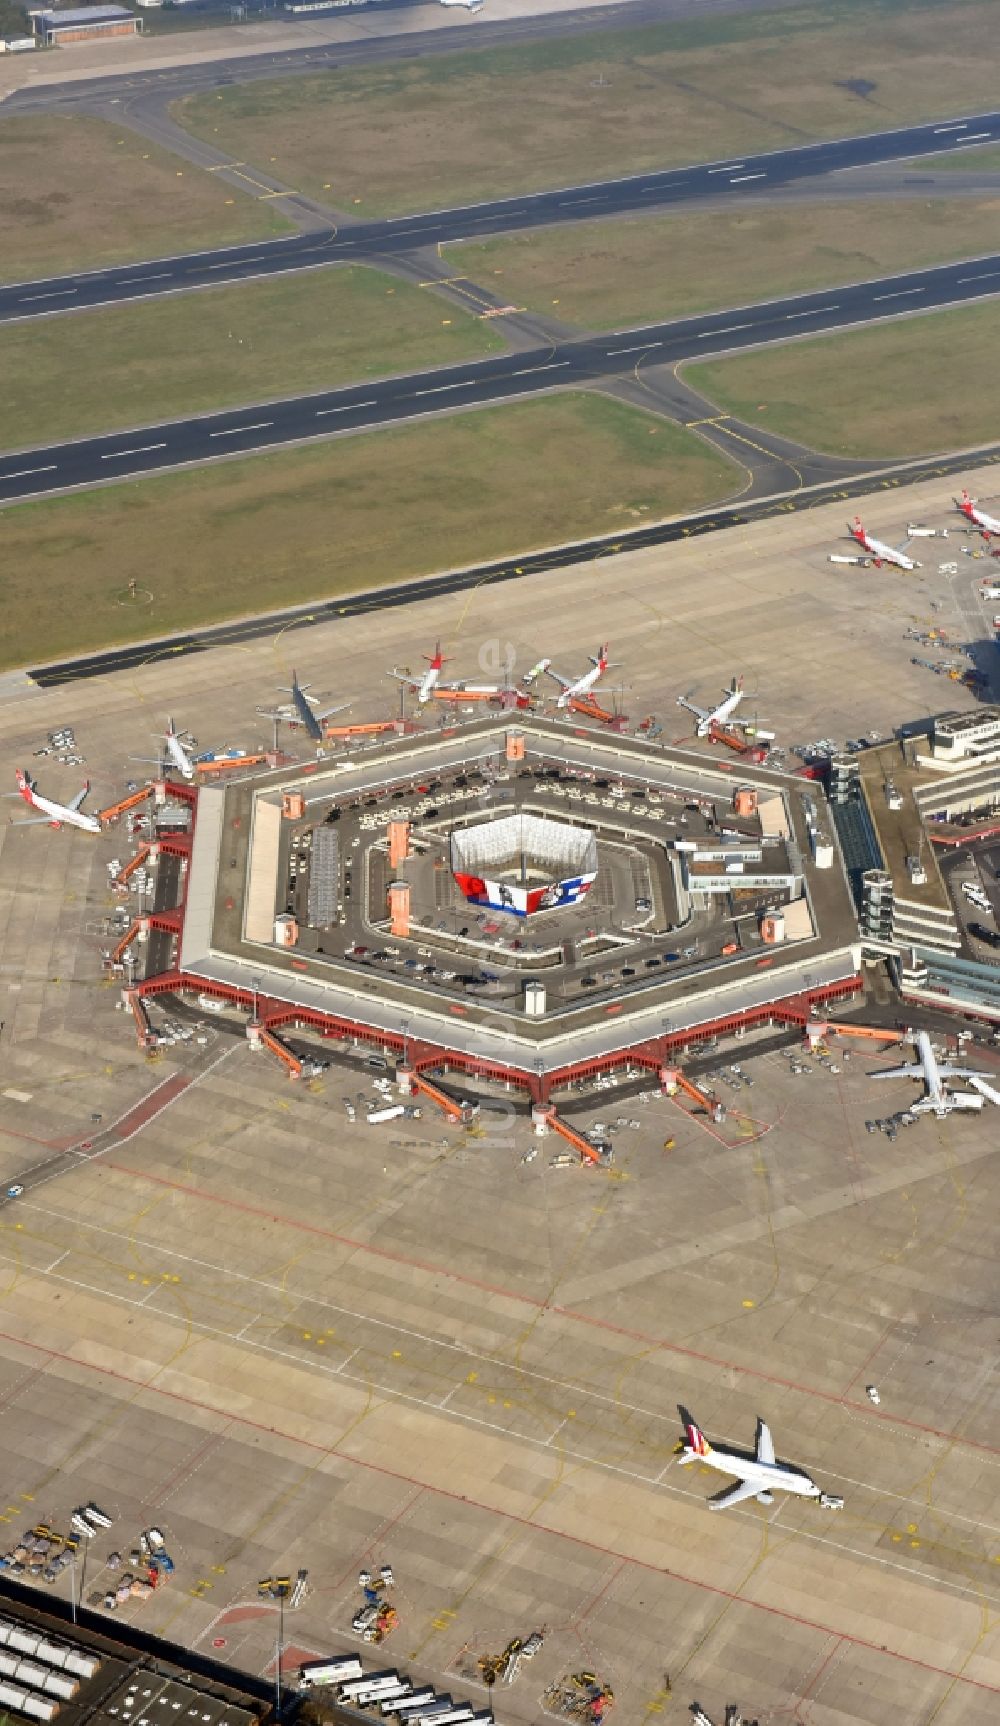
234,263
320,412
130,281
900,294
23,472
56,294
730,329
234,431
641,349
122,454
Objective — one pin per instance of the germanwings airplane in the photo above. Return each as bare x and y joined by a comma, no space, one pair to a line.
303,705
723,714
937,1099
759,1476
53,814
571,691
969,506
877,548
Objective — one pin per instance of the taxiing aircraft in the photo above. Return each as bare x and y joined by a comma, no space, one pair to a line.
467,5
988,524
574,690
879,551
303,706
759,1476
937,1099
53,814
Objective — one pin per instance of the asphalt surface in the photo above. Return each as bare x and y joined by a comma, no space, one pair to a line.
876,481
184,78
506,377
668,189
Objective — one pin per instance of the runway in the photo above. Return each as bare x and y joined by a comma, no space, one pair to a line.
479,383
874,483
368,241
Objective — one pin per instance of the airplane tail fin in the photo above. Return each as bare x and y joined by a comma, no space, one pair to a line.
697,1440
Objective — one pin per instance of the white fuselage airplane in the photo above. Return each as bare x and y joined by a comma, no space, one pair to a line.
759,1476
467,5
987,524
724,713
937,1099
877,548
175,742
54,814
426,685
582,686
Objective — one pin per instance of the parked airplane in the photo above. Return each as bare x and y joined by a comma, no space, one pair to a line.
468,5
969,506
759,1476
426,685
53,814
572,690
177,744
937,1099
877,548
302,708
724,714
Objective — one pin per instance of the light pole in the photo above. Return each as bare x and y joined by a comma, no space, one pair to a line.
283,1591
277,1662
75,1596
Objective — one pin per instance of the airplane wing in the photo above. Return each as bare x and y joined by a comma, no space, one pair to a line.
330,711
765,1443
734,1495
34,821
911,1071
406,677
699,712
563,682
978,1083
76,801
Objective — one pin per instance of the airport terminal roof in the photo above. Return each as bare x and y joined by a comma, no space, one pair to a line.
216,944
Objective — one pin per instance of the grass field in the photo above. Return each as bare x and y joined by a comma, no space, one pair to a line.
129,365
910,388
611,274
77,193
451,129
269,531
982,158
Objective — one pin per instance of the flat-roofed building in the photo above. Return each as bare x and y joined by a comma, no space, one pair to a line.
83,23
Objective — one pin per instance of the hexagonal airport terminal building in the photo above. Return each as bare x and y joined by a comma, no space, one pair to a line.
655,897
523,863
